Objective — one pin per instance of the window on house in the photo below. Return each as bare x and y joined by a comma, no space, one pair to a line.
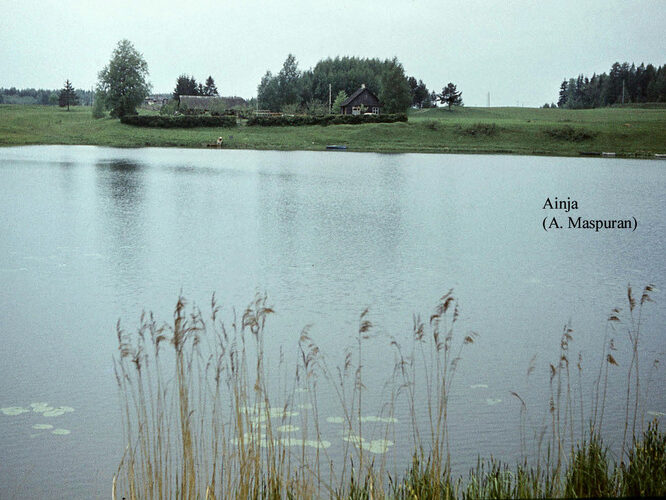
375,110
356,110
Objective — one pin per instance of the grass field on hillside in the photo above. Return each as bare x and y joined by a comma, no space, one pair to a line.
628,131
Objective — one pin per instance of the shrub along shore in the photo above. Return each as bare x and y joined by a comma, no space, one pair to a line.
637,132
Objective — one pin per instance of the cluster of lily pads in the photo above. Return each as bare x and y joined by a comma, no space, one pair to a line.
260,414
489,401
45,410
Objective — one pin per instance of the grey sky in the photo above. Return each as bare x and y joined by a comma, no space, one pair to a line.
519,51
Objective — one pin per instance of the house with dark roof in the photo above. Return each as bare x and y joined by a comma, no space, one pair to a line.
361,101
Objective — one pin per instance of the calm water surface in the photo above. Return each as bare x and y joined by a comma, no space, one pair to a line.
90,235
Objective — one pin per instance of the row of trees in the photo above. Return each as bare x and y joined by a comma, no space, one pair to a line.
295,90
622,85
187,85
46,97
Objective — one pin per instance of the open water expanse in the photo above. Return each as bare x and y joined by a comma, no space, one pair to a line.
89,235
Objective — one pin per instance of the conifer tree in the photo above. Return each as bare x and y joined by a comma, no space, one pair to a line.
451,96
185,85
67,96
210,88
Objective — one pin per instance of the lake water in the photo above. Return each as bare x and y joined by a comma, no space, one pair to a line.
89,235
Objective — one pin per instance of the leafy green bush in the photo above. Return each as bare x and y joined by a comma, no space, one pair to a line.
179,121
568,133
299,120
98,107
169,108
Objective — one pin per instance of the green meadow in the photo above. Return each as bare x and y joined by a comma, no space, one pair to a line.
627,131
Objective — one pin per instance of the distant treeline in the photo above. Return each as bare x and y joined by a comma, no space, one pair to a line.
293,91
40,96
624,84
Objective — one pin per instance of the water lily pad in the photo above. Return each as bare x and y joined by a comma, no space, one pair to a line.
289,441
66,409
656,413
493,401
354,439
335,420
479,386
42,426
42,409
306,406
257,419
378,446
249,439
288,428
373,418
14,410
281,413
61,432
55,412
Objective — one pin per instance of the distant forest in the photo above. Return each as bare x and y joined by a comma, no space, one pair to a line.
40,96
624,84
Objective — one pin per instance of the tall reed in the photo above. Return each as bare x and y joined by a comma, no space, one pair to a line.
208,414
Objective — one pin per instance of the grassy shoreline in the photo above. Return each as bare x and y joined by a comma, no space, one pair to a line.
634,132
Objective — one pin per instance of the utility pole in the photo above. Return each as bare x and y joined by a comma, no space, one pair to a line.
488,99
329,99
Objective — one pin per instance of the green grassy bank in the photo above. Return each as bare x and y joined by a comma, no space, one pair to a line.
629,131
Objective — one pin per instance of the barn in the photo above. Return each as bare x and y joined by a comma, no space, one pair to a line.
361,101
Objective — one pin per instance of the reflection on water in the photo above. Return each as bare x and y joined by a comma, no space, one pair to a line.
120,183
90,235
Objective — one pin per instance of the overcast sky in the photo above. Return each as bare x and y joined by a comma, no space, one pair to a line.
519,51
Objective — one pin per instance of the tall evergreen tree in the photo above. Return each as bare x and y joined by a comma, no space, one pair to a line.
185,85
210,88
419,92
67,96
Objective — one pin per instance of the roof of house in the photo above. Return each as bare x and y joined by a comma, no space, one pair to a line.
200,101
356,94
205,102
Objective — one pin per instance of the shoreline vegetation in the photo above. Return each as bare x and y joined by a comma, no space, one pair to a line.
632,131
201,418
